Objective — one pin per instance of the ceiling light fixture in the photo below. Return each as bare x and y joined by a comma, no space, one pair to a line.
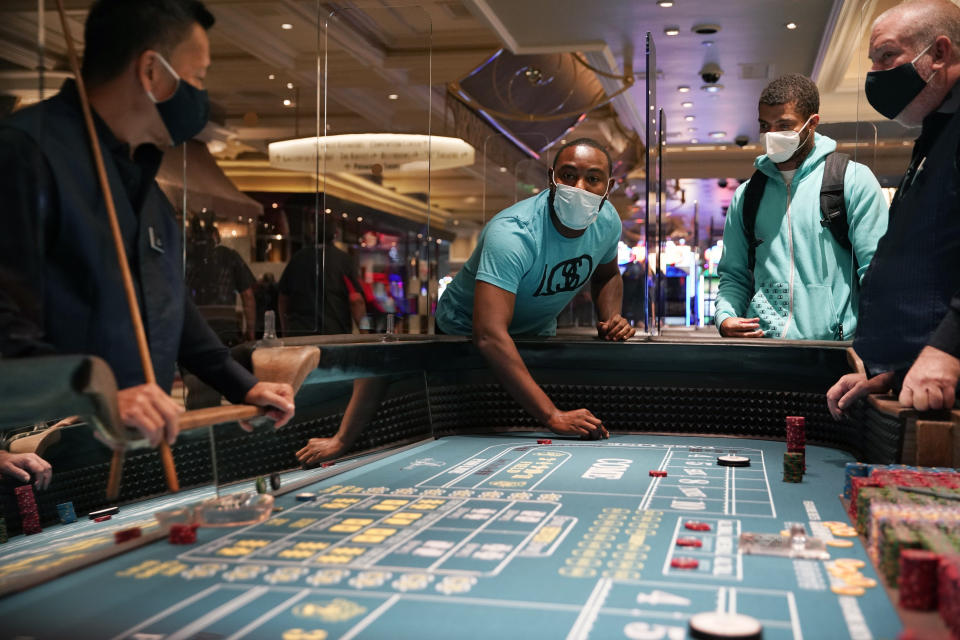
271,77
791,25
712,88
718,134
689,118
666,4
686,105
393,96
287,102
694,141
286,26
289,85
671,31
683,88
691,129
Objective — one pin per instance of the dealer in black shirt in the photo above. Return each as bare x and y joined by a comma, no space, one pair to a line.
909,331
60,286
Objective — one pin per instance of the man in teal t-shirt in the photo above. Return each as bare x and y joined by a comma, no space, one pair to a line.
530,260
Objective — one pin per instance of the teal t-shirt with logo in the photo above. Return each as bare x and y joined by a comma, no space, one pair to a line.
521,251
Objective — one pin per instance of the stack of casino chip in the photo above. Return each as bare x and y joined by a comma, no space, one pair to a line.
853,470
27,506
918,579
66,512
948,592
797,436
792,466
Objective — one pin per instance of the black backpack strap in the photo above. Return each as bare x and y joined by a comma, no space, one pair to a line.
751,205
833,209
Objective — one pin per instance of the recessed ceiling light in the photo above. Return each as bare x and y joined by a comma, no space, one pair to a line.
791,25
287,103
689,118
503,169
671,31
705,29
683,88
359,218
393,96
286,26
271,77
289,85
691,129
343,215
712,88
275,205
694,141
707,43
718,134
666,4
328,211
686,105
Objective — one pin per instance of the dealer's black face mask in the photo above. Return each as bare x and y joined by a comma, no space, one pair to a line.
890,91
186,112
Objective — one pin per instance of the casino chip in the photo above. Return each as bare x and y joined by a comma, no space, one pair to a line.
689,542
684,563
717,625
733,461
275,481
306,497
694,525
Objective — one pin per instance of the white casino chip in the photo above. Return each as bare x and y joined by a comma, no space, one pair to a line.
716,625
733,461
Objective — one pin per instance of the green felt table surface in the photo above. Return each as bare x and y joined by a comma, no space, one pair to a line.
475,537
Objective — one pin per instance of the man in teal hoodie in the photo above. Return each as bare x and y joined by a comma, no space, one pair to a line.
804,284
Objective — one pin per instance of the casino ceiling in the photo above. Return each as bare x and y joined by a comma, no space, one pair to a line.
402,67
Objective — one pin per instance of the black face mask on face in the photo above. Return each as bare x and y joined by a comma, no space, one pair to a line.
186,112
890,91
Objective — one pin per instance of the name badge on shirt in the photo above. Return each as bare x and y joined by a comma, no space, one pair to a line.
156,242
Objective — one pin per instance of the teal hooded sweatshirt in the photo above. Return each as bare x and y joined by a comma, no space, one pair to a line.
801,287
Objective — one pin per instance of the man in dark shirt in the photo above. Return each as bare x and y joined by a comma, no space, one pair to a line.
909,336
309,304
215,276
144,66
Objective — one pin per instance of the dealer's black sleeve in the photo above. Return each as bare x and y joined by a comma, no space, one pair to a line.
947,336
204,355
26,200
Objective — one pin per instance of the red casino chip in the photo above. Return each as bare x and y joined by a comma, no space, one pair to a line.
183,533
656,473
544,441
684,563
689,542
127,534
694,525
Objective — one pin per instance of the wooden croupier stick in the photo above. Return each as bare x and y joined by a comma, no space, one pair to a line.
166,456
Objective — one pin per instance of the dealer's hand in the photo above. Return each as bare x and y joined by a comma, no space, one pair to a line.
26,467
616,328
276,398
741,328
853,386
320,449
149,410
579,422
931,381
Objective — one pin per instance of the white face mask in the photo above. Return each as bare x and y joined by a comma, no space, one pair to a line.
781,145
576,208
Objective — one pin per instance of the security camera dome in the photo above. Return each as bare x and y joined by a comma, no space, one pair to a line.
711,72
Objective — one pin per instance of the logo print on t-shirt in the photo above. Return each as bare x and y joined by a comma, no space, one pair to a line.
569,275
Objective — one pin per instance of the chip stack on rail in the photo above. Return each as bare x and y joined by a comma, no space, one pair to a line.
797,437
918,579
66,512
792,466
948,592
853,470
27,506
